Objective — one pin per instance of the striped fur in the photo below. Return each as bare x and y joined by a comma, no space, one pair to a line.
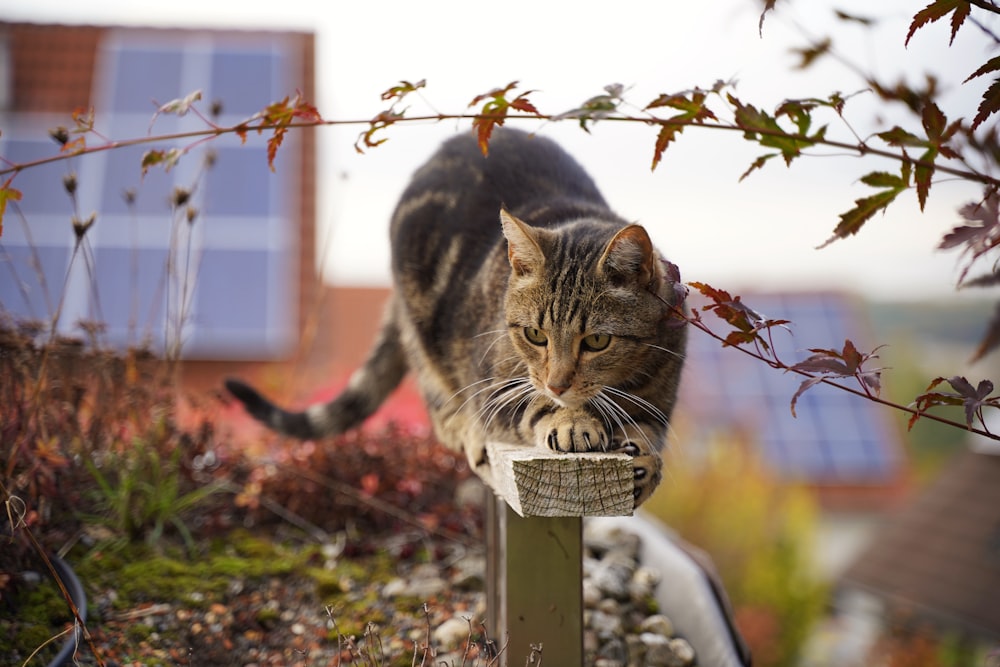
546,327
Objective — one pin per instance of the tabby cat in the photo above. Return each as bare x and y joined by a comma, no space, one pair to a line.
551,326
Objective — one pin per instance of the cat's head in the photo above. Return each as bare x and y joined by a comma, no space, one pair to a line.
582,305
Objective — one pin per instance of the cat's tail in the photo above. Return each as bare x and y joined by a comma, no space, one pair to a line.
365,392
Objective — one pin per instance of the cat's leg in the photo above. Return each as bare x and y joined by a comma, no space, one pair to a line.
643,445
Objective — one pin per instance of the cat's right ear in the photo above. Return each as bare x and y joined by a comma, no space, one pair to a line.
523,251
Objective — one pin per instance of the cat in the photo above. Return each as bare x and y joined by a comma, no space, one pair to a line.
527,311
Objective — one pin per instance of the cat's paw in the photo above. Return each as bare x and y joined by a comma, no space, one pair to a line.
647,467
571,431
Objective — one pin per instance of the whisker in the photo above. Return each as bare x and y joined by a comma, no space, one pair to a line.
487,333
623,417
465,388
651,409
515,392
679,355
503,335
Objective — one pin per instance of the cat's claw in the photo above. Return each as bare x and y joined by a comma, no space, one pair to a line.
574,435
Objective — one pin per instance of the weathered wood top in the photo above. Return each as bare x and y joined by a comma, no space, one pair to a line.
540,482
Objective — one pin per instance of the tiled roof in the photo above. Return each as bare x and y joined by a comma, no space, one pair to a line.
939,558
846,448
53,65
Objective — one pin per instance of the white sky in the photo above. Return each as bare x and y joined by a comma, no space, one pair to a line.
758,234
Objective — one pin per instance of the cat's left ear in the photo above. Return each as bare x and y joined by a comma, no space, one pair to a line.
523,251
629,256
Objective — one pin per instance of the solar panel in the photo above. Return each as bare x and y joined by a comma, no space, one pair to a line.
240,274
837,438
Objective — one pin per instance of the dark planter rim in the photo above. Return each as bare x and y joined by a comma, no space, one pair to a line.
79,597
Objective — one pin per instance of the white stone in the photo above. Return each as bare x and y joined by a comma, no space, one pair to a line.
658,624
451,633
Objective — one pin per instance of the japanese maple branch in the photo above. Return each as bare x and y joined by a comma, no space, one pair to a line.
776,364
861,149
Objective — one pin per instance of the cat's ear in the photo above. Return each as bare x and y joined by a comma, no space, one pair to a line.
629,256
523,251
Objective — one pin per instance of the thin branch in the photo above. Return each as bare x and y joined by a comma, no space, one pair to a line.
859,149
986,5
778,365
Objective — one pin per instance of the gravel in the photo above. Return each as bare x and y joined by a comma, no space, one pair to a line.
434,609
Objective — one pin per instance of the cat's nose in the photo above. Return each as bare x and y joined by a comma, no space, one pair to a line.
558,390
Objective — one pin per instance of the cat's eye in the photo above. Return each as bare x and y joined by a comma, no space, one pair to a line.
535,336
595,342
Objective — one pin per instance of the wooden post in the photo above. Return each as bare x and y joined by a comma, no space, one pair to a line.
535,544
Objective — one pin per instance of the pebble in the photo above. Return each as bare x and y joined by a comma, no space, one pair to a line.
657,624
617,592
451,633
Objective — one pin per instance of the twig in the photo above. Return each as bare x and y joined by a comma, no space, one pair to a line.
778,365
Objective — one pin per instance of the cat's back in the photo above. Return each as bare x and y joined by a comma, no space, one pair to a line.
459,191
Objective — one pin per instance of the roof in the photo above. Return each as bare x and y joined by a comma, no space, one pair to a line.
848,448
247,219
52,65
939,557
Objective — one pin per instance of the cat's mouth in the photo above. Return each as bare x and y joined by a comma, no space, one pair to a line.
569,397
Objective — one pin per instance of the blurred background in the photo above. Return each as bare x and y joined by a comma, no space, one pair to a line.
843,537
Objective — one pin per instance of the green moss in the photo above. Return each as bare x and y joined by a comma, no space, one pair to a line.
139,632
139,574
41,614
267,616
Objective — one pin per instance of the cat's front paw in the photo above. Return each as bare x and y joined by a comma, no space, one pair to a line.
571,431
647,467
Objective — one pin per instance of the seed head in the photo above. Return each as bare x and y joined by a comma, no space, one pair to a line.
69,182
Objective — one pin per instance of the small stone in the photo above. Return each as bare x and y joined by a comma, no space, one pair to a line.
613,573
606,625
643,584
658,624
451,632
31,578
297,629
601,537
658,653
610,607
420,587
590,641
591,594
470,574
606,662
614,650
683,650
636,651
394,588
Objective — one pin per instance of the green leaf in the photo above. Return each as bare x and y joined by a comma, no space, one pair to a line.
758,164
402,90
883,179
494,111
922,174
864,209
597,107
897,136
763,128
